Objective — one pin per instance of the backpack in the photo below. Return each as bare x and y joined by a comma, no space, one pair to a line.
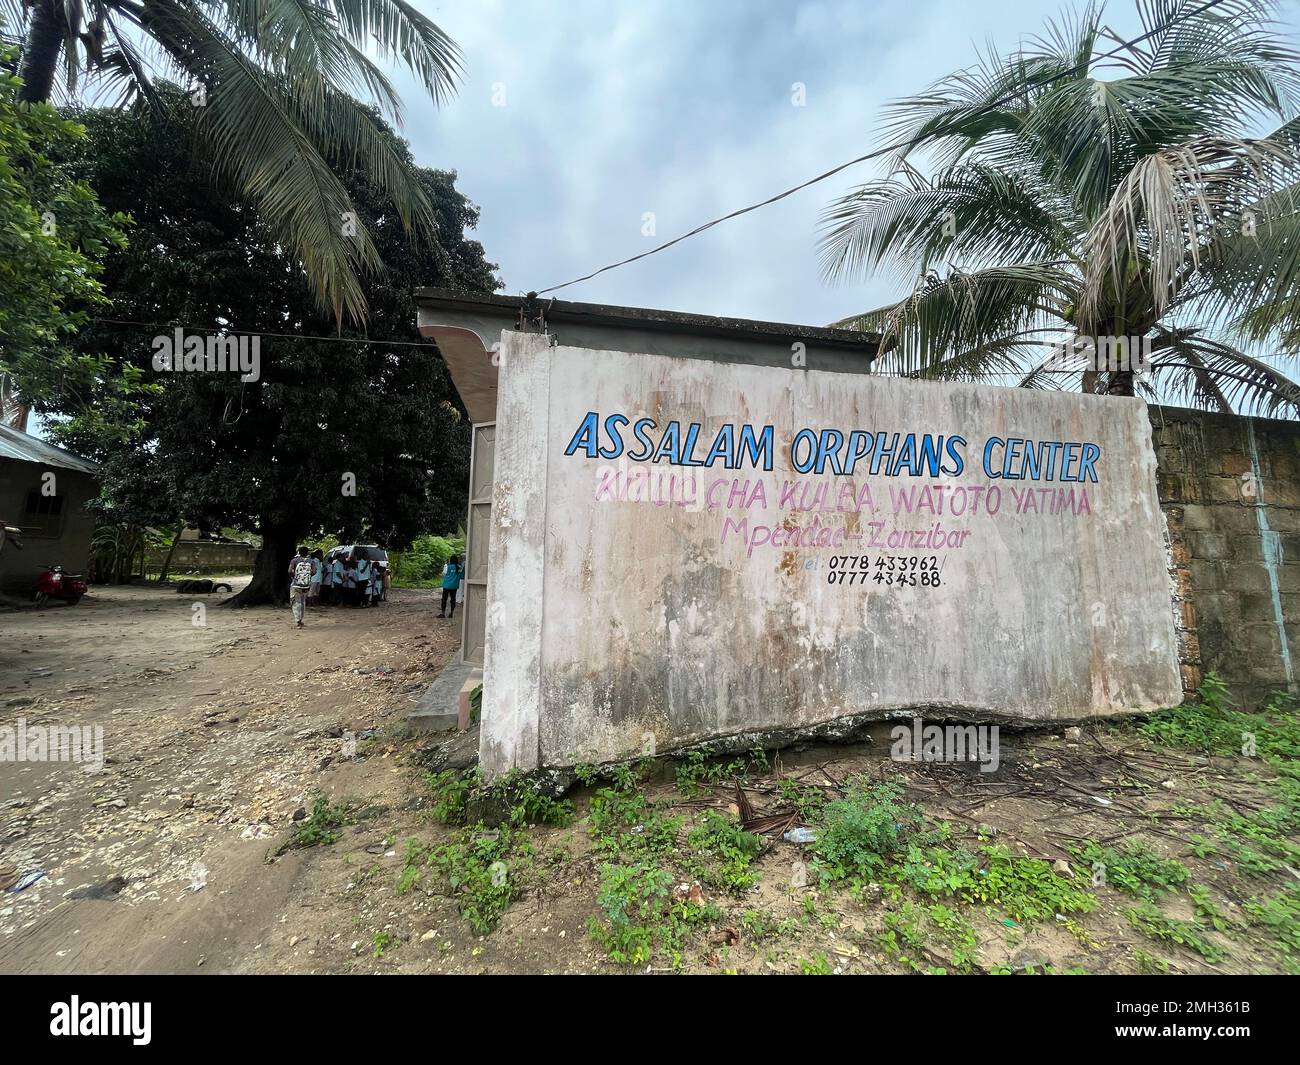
302,574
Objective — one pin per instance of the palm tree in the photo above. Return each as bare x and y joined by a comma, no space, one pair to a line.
278,85
1061,203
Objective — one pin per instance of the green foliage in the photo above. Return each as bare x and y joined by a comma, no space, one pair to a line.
1149,964
807,799
640,914
321,826
907,936
527,802
1038,190
1206,910
1134,868
627,827
699,769
633,899
292,97
451,791
381,942
483,870
858,835
721,838
818,965
1150,921
1027,889
54,235
1279,916
1259,841
1214,726
421,565
268,455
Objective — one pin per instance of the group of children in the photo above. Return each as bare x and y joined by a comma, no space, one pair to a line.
350,581
354,581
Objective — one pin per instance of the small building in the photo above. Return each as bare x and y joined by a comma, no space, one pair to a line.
43,493
686,529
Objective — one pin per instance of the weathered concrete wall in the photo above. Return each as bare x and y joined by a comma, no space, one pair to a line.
204,556
1230,488
619,623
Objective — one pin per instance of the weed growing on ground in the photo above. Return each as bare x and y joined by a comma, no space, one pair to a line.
1134,868
451,791
732,848
1215,726
698,769
642,914
483,870
859,834
817,965
321,827
1279,916
1026,889
1149,964
1148,919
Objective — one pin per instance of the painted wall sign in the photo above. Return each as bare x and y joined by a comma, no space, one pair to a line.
691,549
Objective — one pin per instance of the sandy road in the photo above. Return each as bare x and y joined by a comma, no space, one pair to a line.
213,737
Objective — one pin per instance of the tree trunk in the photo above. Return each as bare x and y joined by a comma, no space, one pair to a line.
45,32
1120,383
270,583
167,562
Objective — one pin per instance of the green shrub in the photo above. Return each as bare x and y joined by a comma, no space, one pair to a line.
421,565
859,834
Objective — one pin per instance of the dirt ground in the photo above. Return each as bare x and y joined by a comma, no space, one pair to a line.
217,736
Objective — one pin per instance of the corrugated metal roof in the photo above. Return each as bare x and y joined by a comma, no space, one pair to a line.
25,448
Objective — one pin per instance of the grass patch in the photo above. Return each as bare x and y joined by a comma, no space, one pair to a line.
482,870
1216,726
1134,868
321,827
642,915
1025,889
1148,919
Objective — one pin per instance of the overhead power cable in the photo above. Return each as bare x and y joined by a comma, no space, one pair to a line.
1123,46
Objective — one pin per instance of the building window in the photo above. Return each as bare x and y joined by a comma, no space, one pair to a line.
43,516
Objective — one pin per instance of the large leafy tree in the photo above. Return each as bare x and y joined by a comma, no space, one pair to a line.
53,232
278,455
280,89
1049,193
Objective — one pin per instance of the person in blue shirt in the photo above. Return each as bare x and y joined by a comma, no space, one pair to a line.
337,576
363,582
451,578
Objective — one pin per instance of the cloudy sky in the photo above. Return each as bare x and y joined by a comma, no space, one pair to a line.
613,109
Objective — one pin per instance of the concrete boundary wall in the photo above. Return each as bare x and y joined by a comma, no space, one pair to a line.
617,625
1230,490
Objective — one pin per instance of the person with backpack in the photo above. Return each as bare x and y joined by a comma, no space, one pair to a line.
300,571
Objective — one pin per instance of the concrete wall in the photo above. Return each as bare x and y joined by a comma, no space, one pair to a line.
204,556
70,548
618,624
1230,488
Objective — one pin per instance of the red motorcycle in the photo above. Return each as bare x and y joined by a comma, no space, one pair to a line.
55,584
